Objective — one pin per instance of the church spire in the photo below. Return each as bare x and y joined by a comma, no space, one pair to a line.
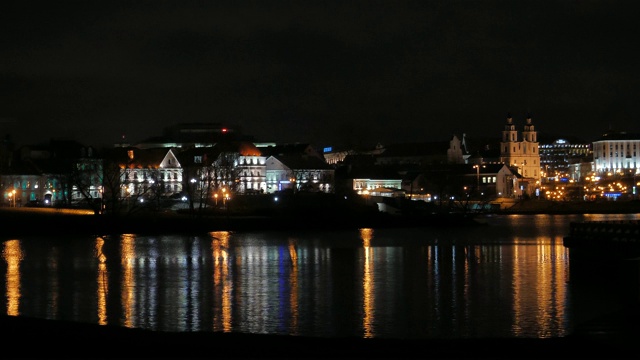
509,133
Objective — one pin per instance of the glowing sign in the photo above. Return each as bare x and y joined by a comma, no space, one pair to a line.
328,149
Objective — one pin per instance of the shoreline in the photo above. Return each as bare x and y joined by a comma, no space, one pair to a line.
56,222
51,221
571,207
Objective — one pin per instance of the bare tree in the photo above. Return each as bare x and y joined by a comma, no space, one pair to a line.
227,171
85,183
125,184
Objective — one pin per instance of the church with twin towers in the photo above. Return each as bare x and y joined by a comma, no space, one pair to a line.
522,153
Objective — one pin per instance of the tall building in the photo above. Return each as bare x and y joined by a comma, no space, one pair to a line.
565,159
522,154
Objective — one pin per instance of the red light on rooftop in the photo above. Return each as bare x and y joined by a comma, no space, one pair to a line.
224,130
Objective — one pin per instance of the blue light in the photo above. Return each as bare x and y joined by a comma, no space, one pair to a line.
328,149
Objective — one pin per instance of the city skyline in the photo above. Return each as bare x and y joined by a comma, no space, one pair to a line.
328,73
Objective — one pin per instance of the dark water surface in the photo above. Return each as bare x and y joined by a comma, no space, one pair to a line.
510,278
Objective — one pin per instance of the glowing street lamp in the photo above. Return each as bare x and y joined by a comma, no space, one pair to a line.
292,181
477,167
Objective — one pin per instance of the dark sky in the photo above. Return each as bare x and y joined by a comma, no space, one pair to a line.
324,72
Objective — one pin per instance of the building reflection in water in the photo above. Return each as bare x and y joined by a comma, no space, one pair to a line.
221,280
12,255
128,262
293,285
368,287
102,281
253,283
535,271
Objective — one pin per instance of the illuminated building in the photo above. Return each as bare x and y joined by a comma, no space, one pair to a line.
616,152
563,159
521,154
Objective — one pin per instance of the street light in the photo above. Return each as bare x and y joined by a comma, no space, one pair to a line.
293,183
477,167
635,185
101,199
224,197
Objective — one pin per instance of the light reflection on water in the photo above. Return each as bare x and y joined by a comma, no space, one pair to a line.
507,279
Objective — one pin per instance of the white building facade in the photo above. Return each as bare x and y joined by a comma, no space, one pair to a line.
617,152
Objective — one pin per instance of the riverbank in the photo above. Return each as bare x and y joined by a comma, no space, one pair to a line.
28,222
613,337
51,221
569,207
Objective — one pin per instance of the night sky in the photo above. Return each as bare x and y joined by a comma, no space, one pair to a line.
340,73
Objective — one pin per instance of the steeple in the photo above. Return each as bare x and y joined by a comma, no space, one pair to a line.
529,133
509,133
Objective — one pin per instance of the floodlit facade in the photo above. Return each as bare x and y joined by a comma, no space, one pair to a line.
367,186
252,170
522,154
617,152
147,169
299,173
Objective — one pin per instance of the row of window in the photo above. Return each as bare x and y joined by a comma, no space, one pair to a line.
27,184
165,175
611,154
506,148
622,146
489,179
616,165
138,188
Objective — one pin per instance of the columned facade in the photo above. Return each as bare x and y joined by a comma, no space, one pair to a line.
617,152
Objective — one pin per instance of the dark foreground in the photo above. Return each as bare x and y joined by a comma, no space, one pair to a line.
612,337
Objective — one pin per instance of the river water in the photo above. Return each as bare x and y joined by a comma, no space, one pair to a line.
510,278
